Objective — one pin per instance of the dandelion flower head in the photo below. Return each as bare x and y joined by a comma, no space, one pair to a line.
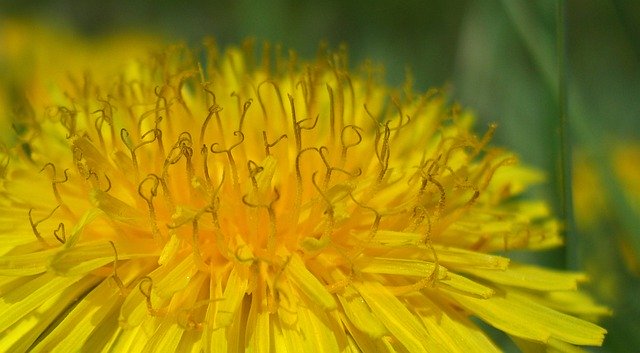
209,201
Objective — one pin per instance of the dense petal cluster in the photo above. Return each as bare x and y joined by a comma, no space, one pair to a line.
208,202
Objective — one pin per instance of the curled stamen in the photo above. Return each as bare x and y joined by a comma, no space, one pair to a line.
214,109
60,233
254,169
299,172
465,184
145,286
175,153
442,200
220,238
297,125
197,254
97,124
148,194
296,128
433,169
184,140
271,237
154,135
268,145
107,110
34,225
310,127
93,174
418,216
204,151
235,133
491,172
126,139
329,210
152,191
96,183
108,183
77,156
383,152
55,182
188,153
332,114
245,108
304,86
115,276
210,96
322,150
232,163
53,173
401,124
182,147
250,204
430,279
159,92
146,115
278,94
370,115
68,120
346,145
372,232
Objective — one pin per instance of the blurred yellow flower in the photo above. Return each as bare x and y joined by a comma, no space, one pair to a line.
208,202
597,198
607,207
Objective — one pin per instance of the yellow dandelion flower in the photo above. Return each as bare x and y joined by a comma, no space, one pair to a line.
213,203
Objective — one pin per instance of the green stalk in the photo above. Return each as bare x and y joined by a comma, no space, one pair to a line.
541,47
583,124
564,163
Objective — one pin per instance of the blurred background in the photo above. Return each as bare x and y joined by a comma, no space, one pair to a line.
561,79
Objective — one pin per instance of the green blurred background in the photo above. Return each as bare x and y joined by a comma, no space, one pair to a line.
519,63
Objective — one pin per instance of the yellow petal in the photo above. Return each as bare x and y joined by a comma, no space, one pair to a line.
403,267
166,338
291,339
258,328
318,335
395,238
82,259
454,258
466,285
131,339
21,335
228,305
22,300
87,218
531,277
361,342
89,256
452,328
359,314
518,316
309,284
117,209
71,334
396,317
25,264
174,276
